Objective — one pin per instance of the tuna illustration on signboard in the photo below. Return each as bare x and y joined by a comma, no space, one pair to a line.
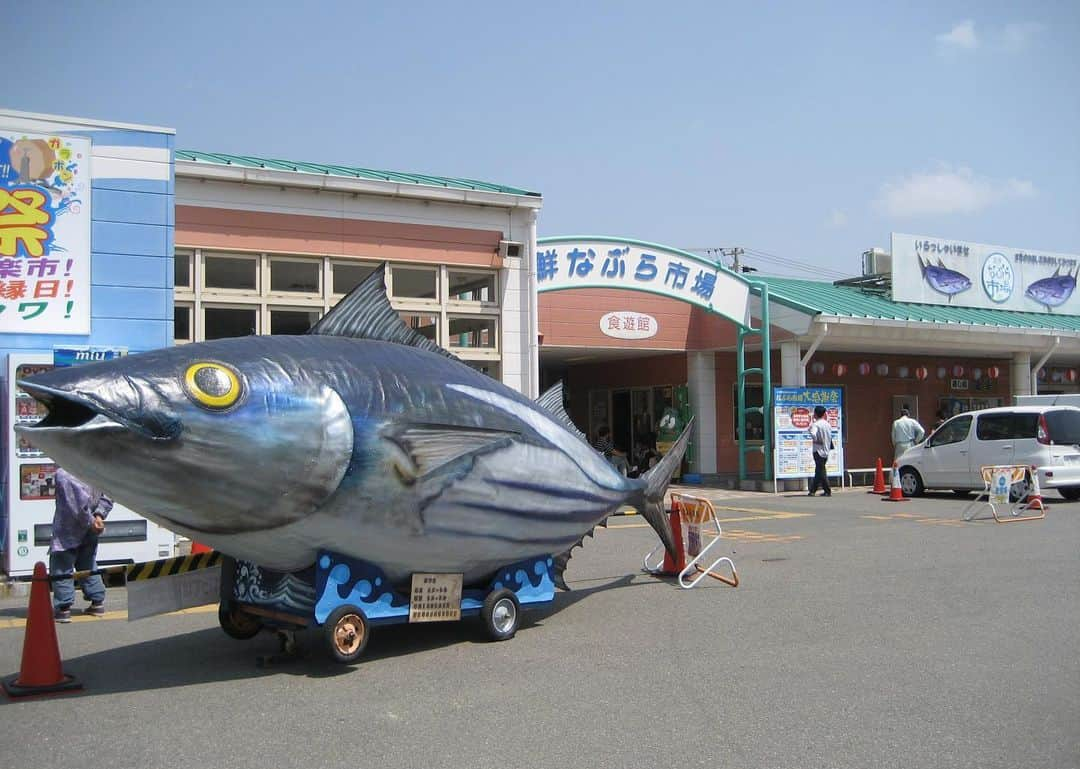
1055,290
942,279
362,438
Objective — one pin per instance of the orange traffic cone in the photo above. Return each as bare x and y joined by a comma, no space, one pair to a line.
1035,499
41,671
199,547
673,567
879,479
896,494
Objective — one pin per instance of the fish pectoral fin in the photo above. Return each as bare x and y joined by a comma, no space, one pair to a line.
427,447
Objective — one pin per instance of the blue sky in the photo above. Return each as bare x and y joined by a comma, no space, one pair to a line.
807,132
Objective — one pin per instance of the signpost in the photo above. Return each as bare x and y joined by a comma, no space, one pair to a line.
793,413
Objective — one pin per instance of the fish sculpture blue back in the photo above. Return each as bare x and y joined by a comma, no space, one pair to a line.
362,437
1055,290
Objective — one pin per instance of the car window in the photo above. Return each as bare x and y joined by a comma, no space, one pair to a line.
1007,426
953,431
1063,426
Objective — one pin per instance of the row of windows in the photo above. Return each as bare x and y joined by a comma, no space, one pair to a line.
219,295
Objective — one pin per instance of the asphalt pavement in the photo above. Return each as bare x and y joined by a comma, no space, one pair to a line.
862,634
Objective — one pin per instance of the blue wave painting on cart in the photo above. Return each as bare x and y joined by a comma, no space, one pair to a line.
942,279
1053,291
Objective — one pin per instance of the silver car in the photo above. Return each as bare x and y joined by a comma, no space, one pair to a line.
1046,439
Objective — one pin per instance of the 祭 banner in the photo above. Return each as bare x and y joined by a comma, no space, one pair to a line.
793,413
44,233
961,274
573,262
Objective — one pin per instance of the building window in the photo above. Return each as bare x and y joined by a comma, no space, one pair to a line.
299,276
423,323
224,322
470,286
292,320
755,422
219,295
414,282
230,272
182,330
472,332
182,270
349,275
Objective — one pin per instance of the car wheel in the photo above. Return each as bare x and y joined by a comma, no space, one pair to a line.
910,482
1070,493
501,613
237,623
346,634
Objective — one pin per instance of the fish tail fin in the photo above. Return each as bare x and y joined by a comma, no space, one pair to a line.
651,501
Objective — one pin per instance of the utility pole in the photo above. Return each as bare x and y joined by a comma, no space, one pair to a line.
736,260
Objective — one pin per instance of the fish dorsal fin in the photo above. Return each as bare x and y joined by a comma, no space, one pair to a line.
552,400
940,262
365,313
427,447
1057,269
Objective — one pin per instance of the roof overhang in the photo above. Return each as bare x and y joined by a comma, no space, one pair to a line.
192,169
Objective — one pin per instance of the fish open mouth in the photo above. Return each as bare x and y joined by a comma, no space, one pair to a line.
74,412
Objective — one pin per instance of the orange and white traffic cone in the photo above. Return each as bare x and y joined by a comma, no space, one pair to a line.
1035,499
673,566
41,671
896,494
879,479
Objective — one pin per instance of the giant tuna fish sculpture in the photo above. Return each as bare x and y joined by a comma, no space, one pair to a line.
363,438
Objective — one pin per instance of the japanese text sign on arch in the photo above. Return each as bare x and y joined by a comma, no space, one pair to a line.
44,233
793,413
563,263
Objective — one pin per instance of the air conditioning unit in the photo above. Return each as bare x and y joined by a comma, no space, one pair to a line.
511,248
876,261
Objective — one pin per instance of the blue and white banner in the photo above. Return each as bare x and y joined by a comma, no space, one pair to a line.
961,274
793,413
596,262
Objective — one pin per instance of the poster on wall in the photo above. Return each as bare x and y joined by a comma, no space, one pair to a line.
793,413
44,233
960,274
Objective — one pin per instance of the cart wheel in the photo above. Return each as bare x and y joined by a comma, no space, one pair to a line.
346,633
237,623
501,613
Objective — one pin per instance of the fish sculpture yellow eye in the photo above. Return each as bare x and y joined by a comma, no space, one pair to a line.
212,385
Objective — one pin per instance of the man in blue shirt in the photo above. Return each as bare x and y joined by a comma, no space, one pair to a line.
78,521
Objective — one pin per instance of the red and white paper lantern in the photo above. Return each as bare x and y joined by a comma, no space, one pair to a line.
957,371
1070,375
993,372
1042,374
839,369
882,369
921,373
864,369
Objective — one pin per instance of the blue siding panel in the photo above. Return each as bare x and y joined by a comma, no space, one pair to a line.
131,207
130,302
128,270
121,138
136,239
156,186
135,334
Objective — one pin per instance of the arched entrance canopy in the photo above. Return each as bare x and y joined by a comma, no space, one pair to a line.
608,262
588,261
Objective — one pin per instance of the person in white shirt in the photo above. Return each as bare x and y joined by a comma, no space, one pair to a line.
906,432
821,434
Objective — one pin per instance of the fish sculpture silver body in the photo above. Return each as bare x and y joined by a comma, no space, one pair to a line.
374,444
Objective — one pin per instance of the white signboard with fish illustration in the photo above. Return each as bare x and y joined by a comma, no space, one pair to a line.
961,274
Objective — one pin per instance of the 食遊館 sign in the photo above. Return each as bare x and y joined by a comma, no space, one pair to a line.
44,233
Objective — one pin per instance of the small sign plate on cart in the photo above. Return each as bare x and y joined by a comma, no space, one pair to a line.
435,597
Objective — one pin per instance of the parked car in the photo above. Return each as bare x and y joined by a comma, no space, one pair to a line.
1044,437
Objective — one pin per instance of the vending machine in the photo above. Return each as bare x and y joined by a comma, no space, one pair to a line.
29,491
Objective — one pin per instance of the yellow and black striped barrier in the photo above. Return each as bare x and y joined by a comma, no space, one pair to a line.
166,567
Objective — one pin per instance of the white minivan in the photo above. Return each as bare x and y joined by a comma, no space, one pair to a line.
1046,438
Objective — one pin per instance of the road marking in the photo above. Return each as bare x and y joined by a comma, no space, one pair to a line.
15,623
736,535
917,519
